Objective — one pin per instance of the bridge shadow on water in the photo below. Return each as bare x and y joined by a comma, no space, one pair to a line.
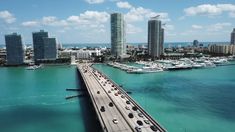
89,116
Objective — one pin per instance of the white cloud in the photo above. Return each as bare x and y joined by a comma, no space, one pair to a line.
7,16
86,20
30,23
125,5
210,10
197,27
232,14
131,29
94,1
169,27
53,21
219,26
140,14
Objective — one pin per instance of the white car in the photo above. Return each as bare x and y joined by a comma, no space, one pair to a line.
115,121
128,108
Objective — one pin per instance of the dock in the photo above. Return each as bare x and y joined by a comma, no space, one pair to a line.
115,109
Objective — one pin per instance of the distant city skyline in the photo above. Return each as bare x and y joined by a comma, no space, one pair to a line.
87,21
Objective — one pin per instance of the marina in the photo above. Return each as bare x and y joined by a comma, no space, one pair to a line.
172,65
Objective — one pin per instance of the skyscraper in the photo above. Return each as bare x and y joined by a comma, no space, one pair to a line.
155,38
14,48
233,36
50,48
118,46
195,43
38,44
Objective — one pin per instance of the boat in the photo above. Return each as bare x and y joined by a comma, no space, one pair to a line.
179,67
33,67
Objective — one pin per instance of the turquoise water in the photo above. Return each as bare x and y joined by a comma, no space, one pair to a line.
34,101
200,100
193,101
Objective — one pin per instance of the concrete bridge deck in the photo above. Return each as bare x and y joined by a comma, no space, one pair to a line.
112,103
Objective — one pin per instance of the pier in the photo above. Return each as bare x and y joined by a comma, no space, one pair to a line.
115,109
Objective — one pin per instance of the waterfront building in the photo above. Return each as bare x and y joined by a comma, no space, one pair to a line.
14,49
155,38
118,40
222,49
233,36
195,43
38,44
50,48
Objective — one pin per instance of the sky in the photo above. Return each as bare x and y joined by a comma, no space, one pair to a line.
88,21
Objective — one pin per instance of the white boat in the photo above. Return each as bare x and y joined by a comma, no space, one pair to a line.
33,67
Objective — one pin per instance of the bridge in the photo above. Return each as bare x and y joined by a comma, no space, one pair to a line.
115,109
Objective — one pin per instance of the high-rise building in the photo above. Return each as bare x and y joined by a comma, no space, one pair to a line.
50,48
155,38
14,48
195,43
233,36
118,47
38,44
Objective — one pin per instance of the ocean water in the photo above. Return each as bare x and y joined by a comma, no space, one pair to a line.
199,100
34,101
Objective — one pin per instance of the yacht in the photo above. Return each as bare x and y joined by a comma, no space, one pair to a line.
182,66
34,67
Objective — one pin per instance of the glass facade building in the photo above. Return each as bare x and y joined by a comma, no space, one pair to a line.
38,44
14,48
155,38
44,47
50,48
233,36
118,46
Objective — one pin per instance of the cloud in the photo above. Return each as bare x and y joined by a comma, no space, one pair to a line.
218,26
124,5
94,1
53,21
197,27
140,14
210,10
30,24
169,27
131,29
7,16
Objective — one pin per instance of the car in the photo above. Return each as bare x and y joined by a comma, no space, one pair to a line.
115,121
109,91
115,88
111,104
123,96
139,122
98,92
128,108
134,108
147,121
116,94
140,115
112,85
119,92
104,85
127,102
154,128
130,115
138,129
102,109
